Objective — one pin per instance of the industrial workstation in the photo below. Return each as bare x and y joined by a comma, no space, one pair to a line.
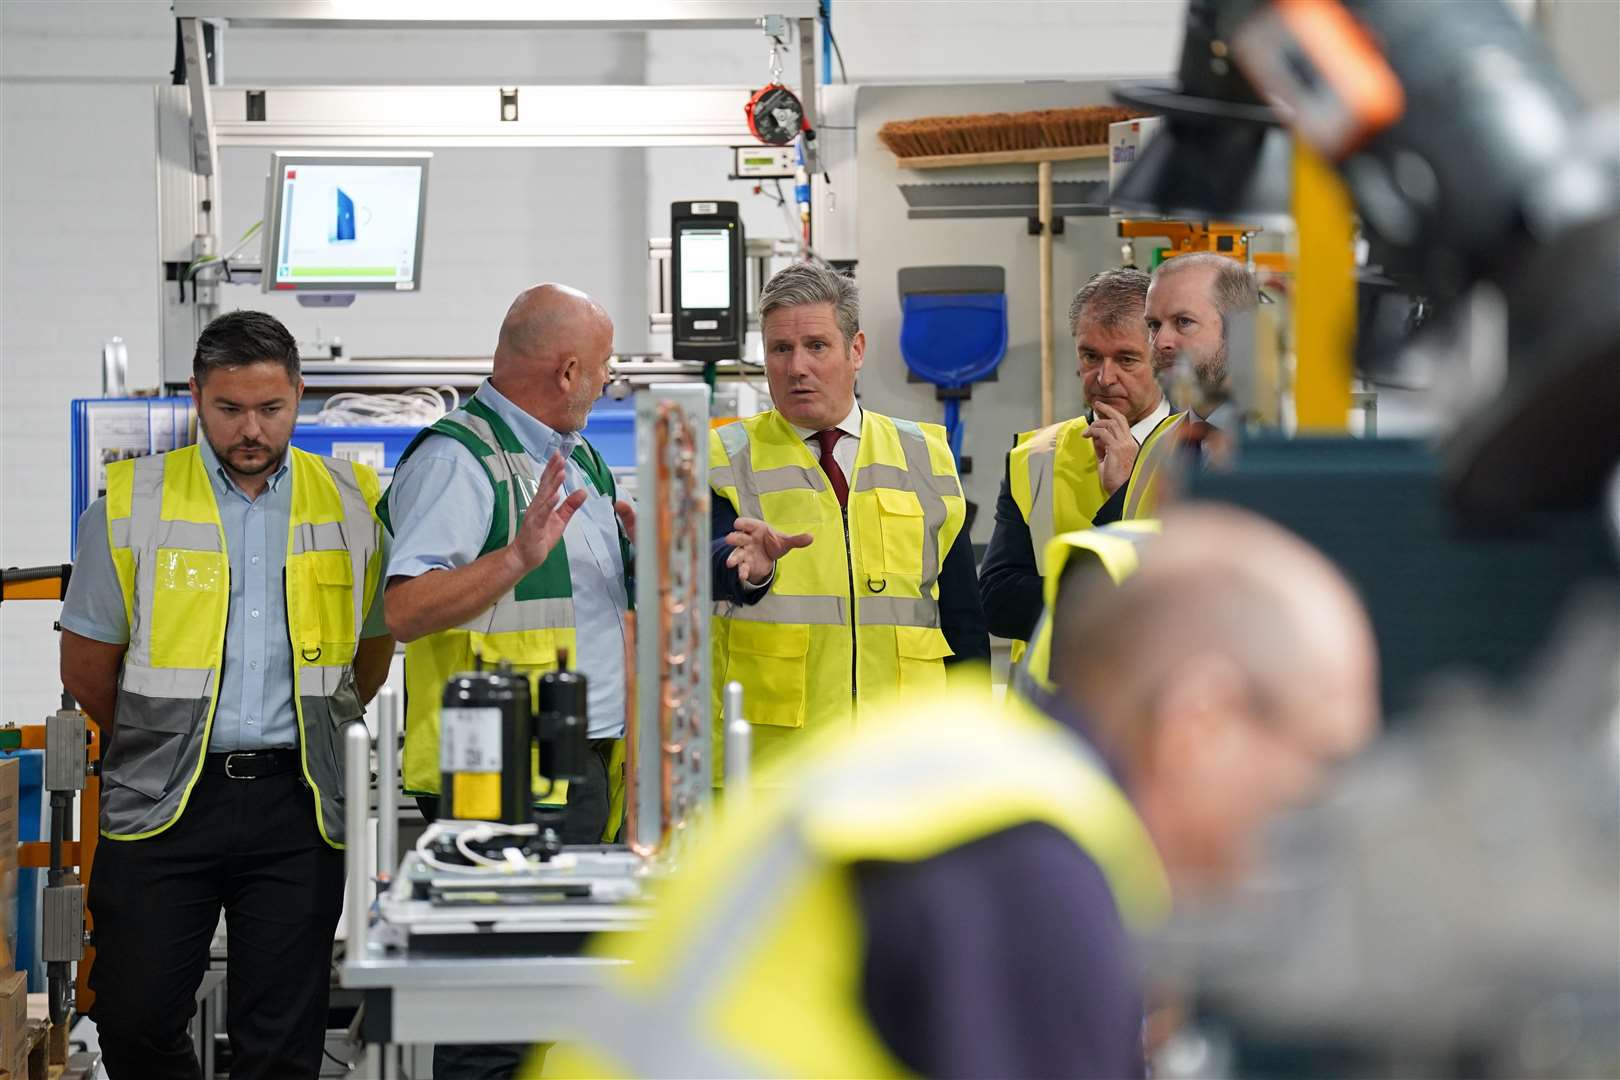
750,538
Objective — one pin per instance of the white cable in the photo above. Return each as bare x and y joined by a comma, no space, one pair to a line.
417,407
462,834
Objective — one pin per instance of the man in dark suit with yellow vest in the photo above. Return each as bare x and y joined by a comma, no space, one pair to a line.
843,573
1057,477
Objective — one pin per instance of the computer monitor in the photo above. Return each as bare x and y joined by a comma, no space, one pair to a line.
341,222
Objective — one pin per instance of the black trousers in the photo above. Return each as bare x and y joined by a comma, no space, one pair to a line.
584,822
252,848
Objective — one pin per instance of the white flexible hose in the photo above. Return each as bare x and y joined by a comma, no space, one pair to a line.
417,407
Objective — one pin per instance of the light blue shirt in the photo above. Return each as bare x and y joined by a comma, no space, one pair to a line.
441,504
256,709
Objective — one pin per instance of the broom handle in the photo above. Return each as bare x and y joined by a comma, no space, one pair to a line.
1044,176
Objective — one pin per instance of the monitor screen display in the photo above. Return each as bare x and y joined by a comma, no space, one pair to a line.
706,268
341,222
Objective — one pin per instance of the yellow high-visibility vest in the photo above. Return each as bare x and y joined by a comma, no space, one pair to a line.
168,549
1117,547
1053,477
856,612
1151,475
753,963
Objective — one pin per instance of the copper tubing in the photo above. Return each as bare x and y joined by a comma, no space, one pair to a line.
670,432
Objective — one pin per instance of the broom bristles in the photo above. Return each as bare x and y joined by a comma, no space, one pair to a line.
938,136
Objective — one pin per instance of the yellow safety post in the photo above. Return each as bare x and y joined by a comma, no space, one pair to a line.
1324,295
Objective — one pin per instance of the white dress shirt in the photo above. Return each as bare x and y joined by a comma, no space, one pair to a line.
1144,427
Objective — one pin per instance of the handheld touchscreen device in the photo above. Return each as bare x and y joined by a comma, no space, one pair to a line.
707,276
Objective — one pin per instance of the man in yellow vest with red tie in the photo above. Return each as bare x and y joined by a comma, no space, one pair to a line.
844,574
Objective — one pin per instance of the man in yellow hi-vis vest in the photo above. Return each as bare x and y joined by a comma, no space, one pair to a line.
1059,476
223,625
952,892
843,573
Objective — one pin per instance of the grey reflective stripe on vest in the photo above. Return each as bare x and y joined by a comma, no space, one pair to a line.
1042,468
118,533
338,535
154,682
775,607
511,616
146,504
190,535
1162,450
327,536
320,680
734,438
900,611
875,476
789,478
920,478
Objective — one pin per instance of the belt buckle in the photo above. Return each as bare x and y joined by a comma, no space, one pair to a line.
230,760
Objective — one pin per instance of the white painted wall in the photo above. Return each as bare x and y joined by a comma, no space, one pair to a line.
889,240
958,41
78,229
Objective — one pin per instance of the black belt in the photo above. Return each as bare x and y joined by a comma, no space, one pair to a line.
254,764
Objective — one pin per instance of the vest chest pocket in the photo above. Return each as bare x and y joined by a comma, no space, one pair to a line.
190,599
922,651
899,533
323,592
771,662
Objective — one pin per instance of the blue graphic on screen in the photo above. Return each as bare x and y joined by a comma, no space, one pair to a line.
348,223
343,224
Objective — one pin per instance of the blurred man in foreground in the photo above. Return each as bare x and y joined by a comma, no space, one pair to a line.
948,892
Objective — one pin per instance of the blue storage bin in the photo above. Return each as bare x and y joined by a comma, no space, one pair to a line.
612,430
30,820
379,447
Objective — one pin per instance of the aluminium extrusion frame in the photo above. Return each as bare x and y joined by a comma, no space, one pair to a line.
670,746
195,120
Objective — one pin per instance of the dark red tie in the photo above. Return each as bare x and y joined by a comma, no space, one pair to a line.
829,464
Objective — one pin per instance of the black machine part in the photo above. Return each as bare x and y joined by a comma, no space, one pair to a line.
561,726
486,726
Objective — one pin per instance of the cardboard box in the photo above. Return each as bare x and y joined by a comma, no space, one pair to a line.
14,1022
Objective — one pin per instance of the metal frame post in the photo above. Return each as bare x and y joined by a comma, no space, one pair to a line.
356,781
387,784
